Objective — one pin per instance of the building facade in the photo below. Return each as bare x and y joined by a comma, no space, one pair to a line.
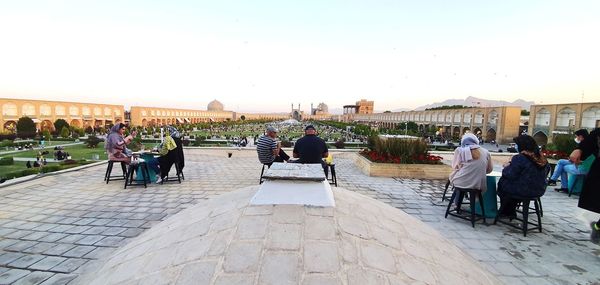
547,120
499,124
45,113
153,116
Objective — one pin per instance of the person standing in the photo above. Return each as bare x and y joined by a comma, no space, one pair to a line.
568,166
311,149
589,199
268,149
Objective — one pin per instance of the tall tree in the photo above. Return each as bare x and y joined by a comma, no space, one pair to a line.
59,124
25,128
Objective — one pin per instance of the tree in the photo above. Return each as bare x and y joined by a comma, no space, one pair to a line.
524,113
25,128
243,118
46,135
89,130
59,124
64,132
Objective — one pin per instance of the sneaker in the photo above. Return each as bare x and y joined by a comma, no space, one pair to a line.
595,236
158,179
561,190
551,182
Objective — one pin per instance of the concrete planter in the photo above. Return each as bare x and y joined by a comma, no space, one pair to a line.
417,171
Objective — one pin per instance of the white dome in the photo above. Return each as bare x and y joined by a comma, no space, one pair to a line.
215,105
225,239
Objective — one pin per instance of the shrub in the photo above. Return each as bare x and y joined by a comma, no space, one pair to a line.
7,143
26,128
562,143
59,124
7,161
46,135
64,132
89,130
340,144
7,135
286,143
92,141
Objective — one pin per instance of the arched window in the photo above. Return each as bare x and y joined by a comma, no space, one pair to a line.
86,111
60,110
590,118
493,117
107,111
565,118
45,110
542,117
97,111
73,111
467,118
9,109
28,110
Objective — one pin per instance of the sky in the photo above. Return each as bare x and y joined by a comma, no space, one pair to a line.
261,56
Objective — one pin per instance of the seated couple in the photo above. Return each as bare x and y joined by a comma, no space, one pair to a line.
116,147
308,149
571,165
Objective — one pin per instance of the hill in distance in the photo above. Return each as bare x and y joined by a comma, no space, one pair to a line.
478,102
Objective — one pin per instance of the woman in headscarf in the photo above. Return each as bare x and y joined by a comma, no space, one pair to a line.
470,164
116,143
524,175
589,198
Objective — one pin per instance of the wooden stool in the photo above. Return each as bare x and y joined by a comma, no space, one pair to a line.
107,175
461,193
525,201
129,181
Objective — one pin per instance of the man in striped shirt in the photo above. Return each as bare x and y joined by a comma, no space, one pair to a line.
268,149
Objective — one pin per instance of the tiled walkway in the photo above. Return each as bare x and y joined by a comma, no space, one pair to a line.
54,227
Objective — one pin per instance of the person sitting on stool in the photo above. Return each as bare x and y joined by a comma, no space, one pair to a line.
311,148
568,166
269,150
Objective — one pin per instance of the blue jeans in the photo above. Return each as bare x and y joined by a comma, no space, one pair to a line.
564,167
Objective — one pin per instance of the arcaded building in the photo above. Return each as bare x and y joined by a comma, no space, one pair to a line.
547,120
146,116
44,113
499,124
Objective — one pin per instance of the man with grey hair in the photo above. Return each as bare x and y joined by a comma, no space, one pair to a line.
268,149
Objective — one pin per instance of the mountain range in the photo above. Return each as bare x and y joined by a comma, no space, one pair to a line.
478,102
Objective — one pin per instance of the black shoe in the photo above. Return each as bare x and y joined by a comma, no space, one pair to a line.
595,236
561,190
551,182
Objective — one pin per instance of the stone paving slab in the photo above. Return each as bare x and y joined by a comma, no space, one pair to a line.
36,215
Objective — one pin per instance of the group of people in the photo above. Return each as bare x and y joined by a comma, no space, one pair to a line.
170,150
526,172
309,149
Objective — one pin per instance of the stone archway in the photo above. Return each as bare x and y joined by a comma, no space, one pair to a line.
75,123
456,132
10,126
540,138
47,125
490,135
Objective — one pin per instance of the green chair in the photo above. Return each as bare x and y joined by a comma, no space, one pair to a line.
575,183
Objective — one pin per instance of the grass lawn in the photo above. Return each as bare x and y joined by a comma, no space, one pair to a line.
18,166
77,152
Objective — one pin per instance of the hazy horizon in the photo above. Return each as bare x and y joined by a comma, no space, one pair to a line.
261,56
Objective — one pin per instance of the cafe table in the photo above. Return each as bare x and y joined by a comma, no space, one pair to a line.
146,155
490,200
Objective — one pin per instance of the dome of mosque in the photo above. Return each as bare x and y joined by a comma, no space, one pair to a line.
215,105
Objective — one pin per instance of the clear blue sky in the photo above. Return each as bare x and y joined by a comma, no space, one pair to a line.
264,55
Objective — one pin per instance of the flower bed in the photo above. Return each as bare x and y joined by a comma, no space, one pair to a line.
403,158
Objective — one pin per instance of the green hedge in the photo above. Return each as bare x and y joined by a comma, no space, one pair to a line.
45,169
7,161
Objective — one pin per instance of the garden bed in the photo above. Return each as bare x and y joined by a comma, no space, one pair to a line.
416,171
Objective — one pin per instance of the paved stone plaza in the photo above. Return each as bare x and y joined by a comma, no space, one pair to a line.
53,228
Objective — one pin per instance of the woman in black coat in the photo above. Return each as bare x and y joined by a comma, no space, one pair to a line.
589,198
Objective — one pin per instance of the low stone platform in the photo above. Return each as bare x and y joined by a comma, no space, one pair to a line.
227,241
